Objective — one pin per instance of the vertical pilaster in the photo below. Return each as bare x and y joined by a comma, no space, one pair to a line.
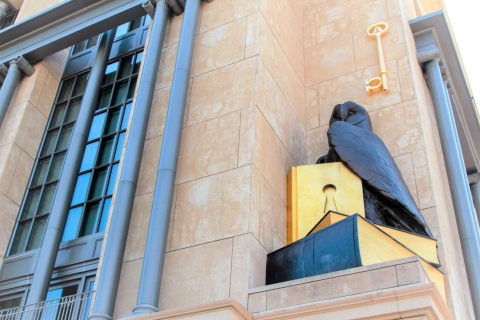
8,89
17,66
149,292
462,200
66,183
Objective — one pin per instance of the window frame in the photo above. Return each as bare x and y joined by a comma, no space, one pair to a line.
40,157
130,80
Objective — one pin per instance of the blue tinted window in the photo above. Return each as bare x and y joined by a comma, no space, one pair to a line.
81,188
73,221
97,126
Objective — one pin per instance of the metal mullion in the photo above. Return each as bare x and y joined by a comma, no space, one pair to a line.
58,139
128,87
73,87
90,185
84,208
58,152
109,135
99,150
25,195
53,112
107,180
99,215
99,168
124,108
103,166
114,86
29,234
35,167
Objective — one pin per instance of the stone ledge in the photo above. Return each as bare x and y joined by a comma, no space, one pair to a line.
335,274
383,283
219,310
422,301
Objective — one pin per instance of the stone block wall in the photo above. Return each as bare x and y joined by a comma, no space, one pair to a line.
244,128
22,130
338,58
265,78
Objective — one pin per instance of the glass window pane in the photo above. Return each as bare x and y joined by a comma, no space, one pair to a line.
106,151
73,222
97,126
73,110
126,116
79,47
120,92
81,188
40,172
136,23
20,239
138,60
56,168
66,90
104,99
103,219
31,203
89,156
147,20
121,30
58,116
112,122
118,150
81,84
90,219
131,90
11,303
54,294
126,66
92,42
98,185
64,140
37,234
110,73
47,199
50,142
111,181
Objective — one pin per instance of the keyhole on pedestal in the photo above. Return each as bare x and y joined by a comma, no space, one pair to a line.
329,191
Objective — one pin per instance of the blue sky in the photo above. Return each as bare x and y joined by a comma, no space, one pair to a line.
464,19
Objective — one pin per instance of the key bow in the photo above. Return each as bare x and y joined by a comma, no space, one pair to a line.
379,83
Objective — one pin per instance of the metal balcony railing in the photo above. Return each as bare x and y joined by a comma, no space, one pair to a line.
73,307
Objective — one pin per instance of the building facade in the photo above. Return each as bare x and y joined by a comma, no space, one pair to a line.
145,147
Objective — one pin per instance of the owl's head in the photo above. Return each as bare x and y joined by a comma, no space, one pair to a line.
351,113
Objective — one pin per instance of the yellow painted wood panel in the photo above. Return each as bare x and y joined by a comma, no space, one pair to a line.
377,247
424,247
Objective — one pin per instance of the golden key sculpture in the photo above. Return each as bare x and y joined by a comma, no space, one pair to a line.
378,83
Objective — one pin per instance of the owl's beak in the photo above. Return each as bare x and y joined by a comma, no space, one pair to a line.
343,113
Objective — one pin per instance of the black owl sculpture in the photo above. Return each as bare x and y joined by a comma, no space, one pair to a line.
386,196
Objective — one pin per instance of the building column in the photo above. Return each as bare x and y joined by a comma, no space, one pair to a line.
17,66
151,278
110,271
465,215
68,177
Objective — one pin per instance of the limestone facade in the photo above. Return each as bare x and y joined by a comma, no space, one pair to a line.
265,77
22,129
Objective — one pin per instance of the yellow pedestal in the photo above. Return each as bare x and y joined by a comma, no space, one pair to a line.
314,190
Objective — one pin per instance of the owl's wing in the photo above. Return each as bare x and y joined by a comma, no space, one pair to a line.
366,155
